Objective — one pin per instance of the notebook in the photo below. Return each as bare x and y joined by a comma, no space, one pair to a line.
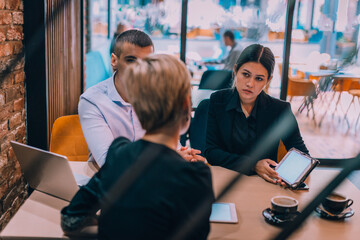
48,172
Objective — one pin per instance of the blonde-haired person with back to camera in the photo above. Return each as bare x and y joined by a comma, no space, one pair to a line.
240,117
168,190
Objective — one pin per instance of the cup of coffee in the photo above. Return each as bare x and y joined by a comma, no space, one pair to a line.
336,203
283,205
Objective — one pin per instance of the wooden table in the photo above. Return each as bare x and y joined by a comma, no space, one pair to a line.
252,195
326,84
356,77
320,73
342,81
39,216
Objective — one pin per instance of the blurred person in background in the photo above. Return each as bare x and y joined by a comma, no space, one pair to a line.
235,50
121,27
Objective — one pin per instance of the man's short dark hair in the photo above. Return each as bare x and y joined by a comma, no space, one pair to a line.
133,36
229,34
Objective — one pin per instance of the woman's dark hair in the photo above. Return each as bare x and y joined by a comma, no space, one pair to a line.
257,53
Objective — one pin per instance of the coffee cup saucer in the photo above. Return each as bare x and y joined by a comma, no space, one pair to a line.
278,219
348,212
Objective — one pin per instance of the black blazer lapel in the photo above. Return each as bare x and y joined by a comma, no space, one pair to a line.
264,115
226,119
265,118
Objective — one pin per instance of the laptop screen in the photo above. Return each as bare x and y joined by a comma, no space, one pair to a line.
46,171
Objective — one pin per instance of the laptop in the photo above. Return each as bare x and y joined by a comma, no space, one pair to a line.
47,172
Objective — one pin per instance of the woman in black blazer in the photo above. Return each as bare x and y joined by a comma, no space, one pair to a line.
244,122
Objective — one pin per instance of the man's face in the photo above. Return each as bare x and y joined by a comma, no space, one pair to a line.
227,41
129,54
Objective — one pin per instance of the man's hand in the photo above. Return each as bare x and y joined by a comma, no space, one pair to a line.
191,155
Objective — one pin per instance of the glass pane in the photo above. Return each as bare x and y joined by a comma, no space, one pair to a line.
249,21
326,58
317,12
99,22
160,19
324,37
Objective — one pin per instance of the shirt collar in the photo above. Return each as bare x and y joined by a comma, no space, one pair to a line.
254,110
113,93
234,101
234,104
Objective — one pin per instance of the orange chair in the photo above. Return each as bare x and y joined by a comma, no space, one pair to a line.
339,86
281,151
67,138
314,79
299,74
303,88
354,90
298,86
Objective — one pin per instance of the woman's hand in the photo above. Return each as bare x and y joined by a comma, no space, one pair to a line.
191,155
264,170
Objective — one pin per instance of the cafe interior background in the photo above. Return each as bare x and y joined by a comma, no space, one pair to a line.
49,50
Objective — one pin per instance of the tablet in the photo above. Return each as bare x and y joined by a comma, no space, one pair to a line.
295,167
223,213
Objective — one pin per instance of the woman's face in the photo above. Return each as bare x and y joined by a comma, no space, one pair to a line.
251,78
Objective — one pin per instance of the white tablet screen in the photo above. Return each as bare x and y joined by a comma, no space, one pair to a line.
222,212
293,166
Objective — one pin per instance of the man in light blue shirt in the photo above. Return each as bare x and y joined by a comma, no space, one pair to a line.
104,115
104,111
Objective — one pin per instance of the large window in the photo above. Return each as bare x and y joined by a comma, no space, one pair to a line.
324,35
160,19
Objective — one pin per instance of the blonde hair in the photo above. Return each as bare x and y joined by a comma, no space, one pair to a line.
157,87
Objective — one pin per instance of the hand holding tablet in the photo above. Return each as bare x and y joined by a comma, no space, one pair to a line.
295,167
265,170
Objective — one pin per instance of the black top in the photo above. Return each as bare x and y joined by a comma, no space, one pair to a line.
274,122
154,202
244,127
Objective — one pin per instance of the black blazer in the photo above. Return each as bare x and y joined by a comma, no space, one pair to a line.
220,148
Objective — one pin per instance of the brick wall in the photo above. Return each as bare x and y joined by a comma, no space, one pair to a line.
12,111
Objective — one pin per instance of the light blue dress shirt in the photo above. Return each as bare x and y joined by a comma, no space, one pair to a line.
104,116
